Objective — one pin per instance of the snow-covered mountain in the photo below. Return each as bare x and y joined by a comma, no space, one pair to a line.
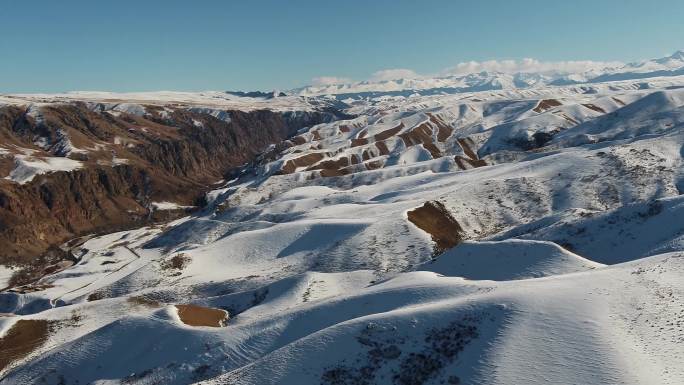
511,235
672,65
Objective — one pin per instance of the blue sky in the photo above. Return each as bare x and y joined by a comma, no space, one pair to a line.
52,46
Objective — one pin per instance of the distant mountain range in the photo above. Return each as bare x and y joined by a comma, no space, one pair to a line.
672,65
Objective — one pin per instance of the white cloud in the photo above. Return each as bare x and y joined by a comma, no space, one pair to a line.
394,74
528,65
329,80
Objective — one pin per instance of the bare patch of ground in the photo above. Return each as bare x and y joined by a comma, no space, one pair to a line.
194,315
546,104
422,134
24,337
594,107
388,133
444,131
359,142
473,161
177,262
303,161
382,147
143,302
435,219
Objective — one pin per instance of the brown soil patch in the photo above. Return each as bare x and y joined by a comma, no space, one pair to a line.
177,262
466,144
298,140
443,129
374,165
382,147
435,219
331,164
546,104
359,142
389,133
465,163
421,134
144,302
362,134
194,315
334,172
344,129
316,135
473,161
24,337
569,119
595,108
303,161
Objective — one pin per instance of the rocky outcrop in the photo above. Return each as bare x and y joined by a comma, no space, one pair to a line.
436,220
130,158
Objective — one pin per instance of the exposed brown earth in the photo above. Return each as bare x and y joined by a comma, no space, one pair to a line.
298,140
472,160
359,142
194,315
23,337
365,155
444,131
177,262
170,155
618,101
435,219
546,104
569,119
466,164
334,172
386,134
421,134
143,302
374,165
382,146
594,107
467,144
303,161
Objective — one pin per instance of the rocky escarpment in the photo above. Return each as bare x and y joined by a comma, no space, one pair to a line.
122,159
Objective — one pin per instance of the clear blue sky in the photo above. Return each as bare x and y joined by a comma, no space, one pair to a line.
122,45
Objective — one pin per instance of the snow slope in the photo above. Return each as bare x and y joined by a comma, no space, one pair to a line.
566,201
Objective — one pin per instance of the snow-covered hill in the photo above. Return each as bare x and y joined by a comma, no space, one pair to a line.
504,236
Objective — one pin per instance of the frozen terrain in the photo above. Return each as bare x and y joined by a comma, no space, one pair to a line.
523,235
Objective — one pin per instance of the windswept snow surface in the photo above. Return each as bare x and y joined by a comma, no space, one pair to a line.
26,167
571,270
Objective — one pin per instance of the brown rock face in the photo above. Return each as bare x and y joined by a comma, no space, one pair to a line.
435,219
168,155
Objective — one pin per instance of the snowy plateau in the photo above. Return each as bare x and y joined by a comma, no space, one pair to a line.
481,229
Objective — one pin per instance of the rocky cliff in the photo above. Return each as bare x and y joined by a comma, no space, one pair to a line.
76,168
